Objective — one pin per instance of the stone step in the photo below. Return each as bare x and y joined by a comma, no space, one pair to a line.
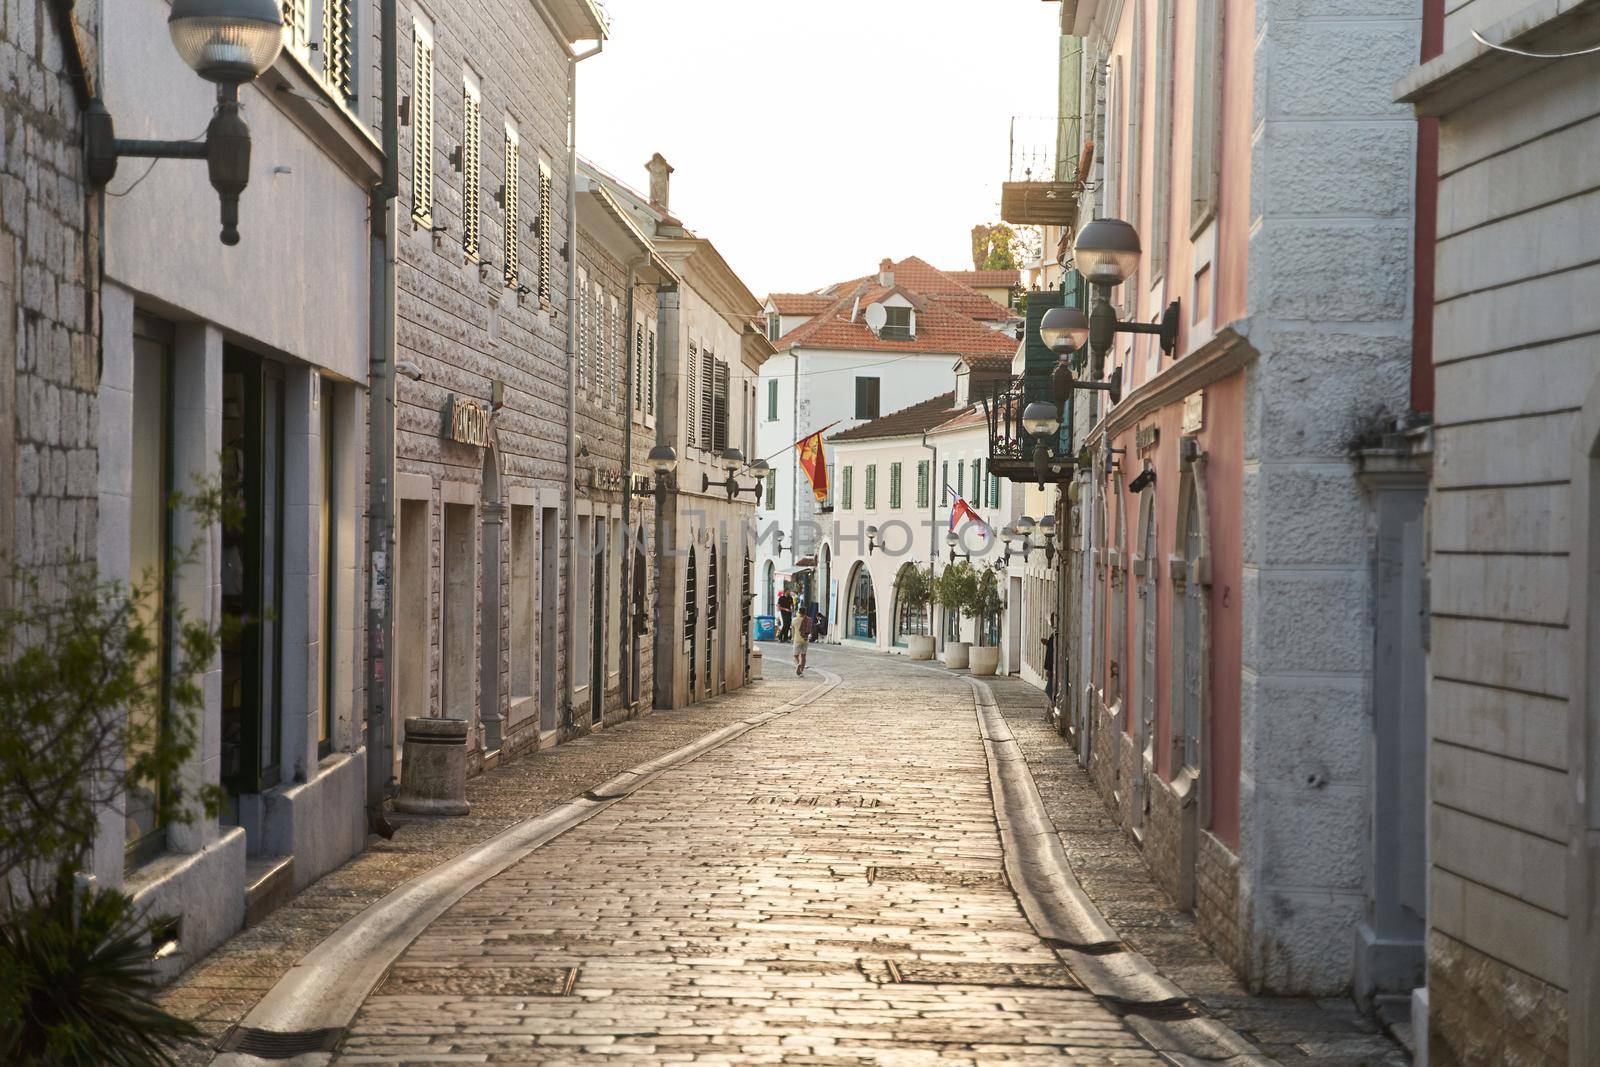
269,884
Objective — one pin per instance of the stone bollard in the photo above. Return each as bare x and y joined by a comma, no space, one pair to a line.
433,775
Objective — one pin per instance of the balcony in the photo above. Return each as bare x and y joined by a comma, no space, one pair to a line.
1010,446
1042,183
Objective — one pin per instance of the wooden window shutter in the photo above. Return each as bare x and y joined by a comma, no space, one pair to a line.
545,222
638,366
338,46
719,416
922,483
650,377
583,331
421,126
619,365
692,412
471,180
297,25
708,399
872,486
894,485
513,170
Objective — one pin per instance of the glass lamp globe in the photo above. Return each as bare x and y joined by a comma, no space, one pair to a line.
1047,527
732,459
1041,419
760,468
663,459
1007,534
1107,251
227,41
1064,330
1025,525
872,533
950,539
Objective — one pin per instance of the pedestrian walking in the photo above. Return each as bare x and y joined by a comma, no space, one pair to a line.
802,639
1049,643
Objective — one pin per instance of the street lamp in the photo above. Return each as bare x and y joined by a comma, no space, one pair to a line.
228,42
951,540
732,460
1047,528
1106,252
872,539
662,461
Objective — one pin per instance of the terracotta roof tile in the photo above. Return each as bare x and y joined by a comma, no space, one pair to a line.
800,303
951,317
915,419
987,279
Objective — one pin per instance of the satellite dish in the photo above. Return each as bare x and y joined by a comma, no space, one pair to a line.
876,317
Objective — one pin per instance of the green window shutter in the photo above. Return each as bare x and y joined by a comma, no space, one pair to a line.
894,485
872,486
922,483
772,400
977,485
961,479
1039,363
772,492
944,481
846,488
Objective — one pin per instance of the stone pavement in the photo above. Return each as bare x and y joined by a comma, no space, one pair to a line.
218,991
825,889
1328,1032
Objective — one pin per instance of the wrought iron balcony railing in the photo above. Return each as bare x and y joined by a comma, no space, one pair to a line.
1011,447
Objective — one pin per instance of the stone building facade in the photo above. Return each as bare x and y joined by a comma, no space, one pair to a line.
1229,671
1513,922
49,300
483,433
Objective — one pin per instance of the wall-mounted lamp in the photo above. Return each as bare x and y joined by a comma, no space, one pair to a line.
951,541
732,460
228,42
872,539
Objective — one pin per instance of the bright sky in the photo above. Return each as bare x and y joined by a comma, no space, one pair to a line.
810,140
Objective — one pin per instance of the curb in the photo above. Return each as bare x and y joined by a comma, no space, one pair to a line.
322,993
1059,910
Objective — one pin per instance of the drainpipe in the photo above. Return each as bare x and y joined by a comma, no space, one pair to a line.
380,433
570,570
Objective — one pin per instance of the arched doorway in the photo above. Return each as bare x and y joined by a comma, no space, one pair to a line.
769,590
908,621
861,605
1189,695
1144,571
712,604
639,625
691,618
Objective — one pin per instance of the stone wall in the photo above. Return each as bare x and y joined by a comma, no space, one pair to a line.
1482,1011
49,366
1163,838
1216,909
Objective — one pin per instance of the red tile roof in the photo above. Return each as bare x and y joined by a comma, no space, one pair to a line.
951,316
800,303
916,419
987,279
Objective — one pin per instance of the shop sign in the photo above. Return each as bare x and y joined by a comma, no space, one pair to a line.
1194,412
1145,437
467,421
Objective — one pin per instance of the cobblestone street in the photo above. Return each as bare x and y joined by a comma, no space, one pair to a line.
826,887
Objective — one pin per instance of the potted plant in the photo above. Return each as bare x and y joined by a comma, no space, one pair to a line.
987,603
957,590
916,593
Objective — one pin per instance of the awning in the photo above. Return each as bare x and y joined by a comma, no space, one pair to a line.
805,562
792,572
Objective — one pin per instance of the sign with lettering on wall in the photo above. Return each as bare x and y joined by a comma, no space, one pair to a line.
1147,437
1194,412
467,421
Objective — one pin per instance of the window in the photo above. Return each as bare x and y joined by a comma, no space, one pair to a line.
1161,179
896,324
719,414
513,147
708,398
772,491
544,235
872,486
618,356
847,488
421,125
961,481
1207,113
338,46
944,480
867,398
1135,143
977,482
827,497
524,562
994,490
471,182
329,563
772,400
774,326
922,483
894,485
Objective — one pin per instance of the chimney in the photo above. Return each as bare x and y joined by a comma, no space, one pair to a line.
886,273
660,182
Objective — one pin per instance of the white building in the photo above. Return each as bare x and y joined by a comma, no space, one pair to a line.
848,354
